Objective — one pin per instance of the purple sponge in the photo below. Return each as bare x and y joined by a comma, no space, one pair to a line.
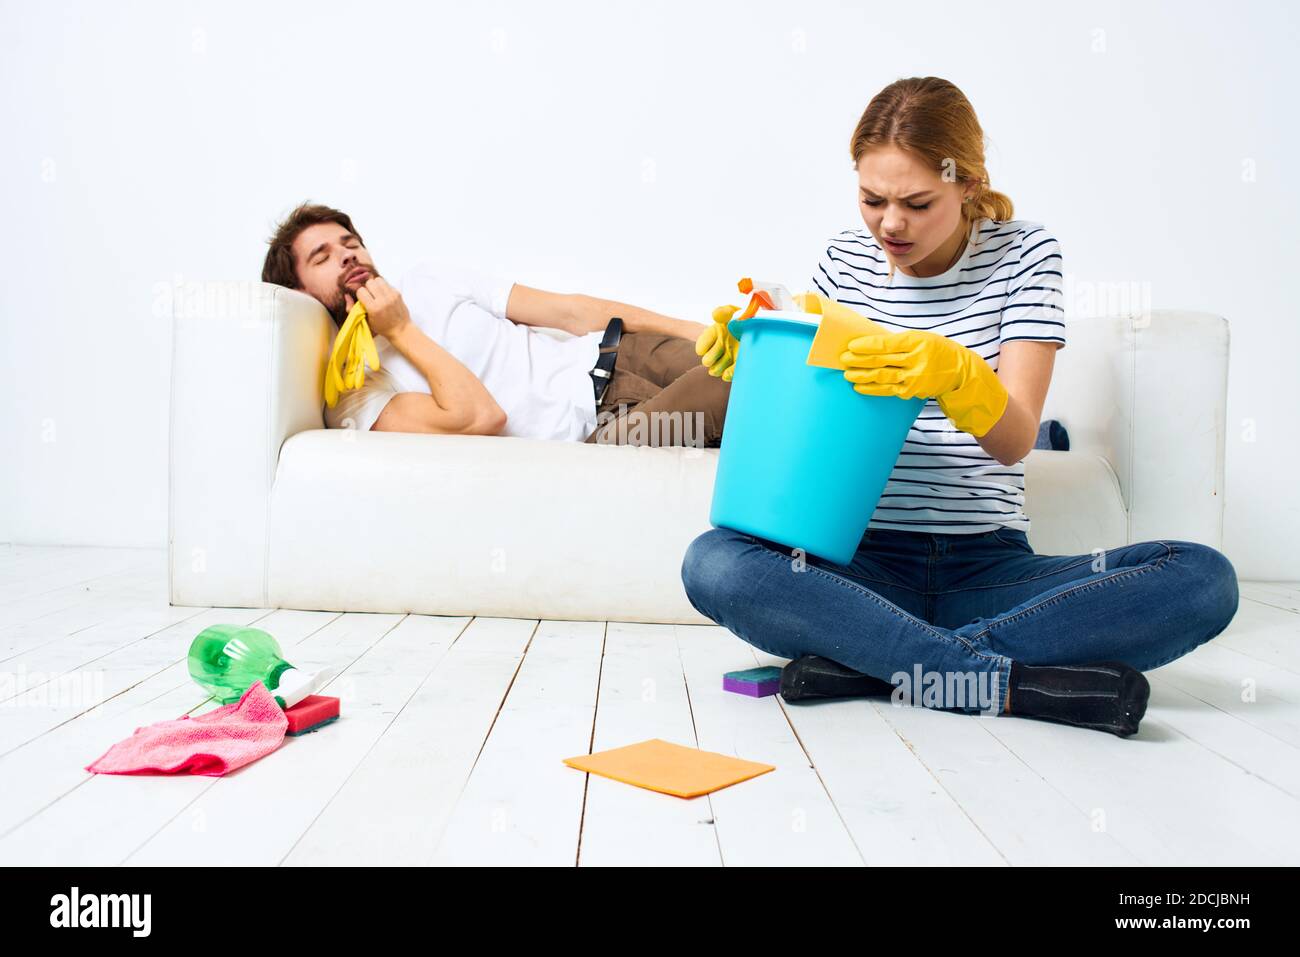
755,682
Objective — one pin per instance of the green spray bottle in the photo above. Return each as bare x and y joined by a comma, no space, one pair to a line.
227,659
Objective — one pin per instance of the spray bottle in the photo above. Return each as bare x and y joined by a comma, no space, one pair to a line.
226,660
771,296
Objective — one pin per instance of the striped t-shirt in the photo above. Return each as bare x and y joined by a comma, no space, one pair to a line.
1007,285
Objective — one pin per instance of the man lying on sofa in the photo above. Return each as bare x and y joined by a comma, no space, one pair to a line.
459,351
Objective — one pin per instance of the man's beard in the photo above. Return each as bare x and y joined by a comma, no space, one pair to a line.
339,310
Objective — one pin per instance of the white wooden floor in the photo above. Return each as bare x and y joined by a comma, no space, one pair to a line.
453,729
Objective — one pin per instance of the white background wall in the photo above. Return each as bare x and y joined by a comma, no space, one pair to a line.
647,152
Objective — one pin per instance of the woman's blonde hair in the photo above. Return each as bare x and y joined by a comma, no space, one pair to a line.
930,118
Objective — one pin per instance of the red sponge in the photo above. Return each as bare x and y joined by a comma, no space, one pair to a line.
311,713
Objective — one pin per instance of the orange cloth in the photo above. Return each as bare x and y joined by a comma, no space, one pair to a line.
670,768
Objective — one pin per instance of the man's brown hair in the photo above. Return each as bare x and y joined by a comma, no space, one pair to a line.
279,266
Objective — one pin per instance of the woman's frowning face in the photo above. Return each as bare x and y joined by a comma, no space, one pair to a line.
911,210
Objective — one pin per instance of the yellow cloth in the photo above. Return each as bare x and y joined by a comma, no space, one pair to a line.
717,347
911,364
669,768
356,345
839,325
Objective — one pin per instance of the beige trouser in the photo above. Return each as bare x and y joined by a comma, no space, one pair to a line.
659,395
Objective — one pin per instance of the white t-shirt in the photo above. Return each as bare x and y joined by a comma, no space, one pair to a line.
1007,285
542,383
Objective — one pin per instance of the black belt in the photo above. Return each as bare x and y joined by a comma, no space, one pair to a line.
603,371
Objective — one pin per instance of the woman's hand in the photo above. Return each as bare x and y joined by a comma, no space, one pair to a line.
918,364
717,347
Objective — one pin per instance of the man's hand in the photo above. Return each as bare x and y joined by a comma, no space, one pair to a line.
385,311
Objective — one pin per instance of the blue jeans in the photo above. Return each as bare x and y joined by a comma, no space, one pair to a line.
923,610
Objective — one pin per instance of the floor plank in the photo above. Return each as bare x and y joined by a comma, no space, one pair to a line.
1223,681
68,607
49,569
522,805
643,695
1265,633
1164,797
395,802
783,817
1283,595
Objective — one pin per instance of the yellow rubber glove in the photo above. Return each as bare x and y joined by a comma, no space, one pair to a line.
355,344
918,364
717,347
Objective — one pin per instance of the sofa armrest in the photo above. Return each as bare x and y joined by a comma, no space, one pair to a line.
247,373
1148,393
1075,502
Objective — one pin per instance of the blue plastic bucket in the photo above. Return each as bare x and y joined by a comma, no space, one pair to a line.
804,457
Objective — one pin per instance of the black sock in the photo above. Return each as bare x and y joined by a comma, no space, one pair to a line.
1108,695
812,676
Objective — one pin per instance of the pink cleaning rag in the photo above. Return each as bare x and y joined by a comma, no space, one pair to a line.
212,744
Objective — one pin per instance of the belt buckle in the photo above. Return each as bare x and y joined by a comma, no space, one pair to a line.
601,379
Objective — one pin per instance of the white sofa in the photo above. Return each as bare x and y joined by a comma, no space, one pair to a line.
268,508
